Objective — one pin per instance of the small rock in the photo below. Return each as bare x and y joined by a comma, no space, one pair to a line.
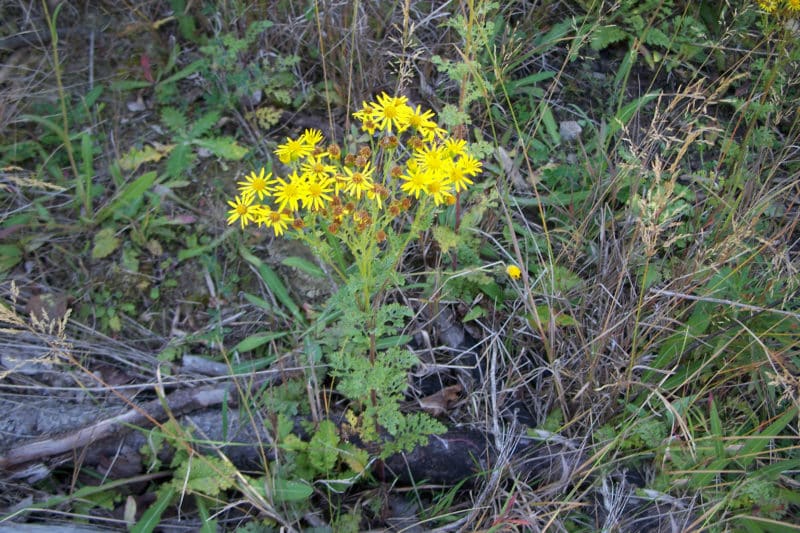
569,130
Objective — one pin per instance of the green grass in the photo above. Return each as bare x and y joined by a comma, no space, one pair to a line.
648,352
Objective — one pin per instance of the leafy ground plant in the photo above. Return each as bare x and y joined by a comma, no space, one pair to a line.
605,322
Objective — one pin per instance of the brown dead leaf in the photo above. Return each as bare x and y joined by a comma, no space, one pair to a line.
440,402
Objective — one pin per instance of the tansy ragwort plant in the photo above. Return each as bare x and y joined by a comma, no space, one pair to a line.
358,209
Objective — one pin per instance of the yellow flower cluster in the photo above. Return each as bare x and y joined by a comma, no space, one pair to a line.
410,158
771,6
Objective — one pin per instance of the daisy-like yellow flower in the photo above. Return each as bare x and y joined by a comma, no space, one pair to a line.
440,190
293,150
256,185
470,165
315,168
243,210
457,176
513,271
768,5
415,180
391,112
288,194
278,220
455,147
431,158
358,181
318,193
793,5
311,137
422,122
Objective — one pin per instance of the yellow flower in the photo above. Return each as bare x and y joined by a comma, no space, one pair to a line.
242,210
256,185
455,147
793,5
431,158
391,111
289,193
423,123
293,150
358,182
768,5
470,165
311,137
317,193
440,190
315,168
277,220
459,178
415,180
513,271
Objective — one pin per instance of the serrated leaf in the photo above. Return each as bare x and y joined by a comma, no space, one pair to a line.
323,450
446,238
205,475
148,154
304,265
284,490
203,124
180,160
224,147
657,37
174,119
605,36
105,242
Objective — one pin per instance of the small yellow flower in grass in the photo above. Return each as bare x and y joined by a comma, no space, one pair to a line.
415,180
513,271
256,185
359,181
455,147
242,210
431,158
315,168
391,111
278,220
317,193
793,5
293,150
440,189
768,5
470,165
289,193
311,137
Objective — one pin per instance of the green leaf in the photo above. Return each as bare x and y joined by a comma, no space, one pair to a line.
148,154
132,191
284,490
105,242
205,475
273,283
259,339
174,119
224,147
152,516
323,449
180,160
10,255
304,265
549,122
203,124
605,36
